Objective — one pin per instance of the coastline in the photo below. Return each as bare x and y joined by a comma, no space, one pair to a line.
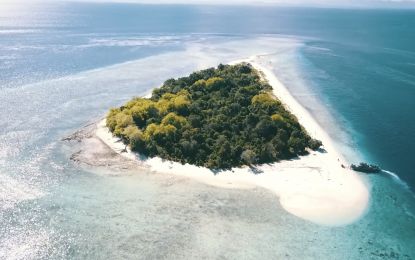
314,187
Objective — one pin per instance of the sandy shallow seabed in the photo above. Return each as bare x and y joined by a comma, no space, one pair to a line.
313,187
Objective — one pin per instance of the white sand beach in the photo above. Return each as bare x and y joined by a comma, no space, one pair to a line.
314,187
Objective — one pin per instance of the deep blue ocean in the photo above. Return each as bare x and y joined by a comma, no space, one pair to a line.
63,65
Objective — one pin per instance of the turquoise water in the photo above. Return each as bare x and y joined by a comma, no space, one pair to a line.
63,65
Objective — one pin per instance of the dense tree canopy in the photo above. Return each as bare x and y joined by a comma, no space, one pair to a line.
216,118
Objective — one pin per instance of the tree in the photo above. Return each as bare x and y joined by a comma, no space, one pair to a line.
263,100
278,120
186,147
195,121
265,127
314,144
134,137
296,144
249,156
177,121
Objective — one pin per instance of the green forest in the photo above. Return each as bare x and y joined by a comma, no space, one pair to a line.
218,118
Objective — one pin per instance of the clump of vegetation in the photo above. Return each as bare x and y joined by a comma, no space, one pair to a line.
217,118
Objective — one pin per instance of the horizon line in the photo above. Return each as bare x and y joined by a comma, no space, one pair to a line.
356,5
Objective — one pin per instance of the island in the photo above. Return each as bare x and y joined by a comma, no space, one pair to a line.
218,118
231,127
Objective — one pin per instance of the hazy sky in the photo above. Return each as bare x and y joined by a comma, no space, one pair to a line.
363,3
290,2
253,1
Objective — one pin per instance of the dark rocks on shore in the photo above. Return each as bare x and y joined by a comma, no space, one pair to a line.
365,167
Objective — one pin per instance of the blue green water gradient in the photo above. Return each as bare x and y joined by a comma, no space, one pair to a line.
63,65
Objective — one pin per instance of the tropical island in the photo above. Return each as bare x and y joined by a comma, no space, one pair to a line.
195,128
217,118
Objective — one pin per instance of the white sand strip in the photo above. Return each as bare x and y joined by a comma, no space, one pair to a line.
315,187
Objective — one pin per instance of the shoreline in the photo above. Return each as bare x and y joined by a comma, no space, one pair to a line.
313,187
